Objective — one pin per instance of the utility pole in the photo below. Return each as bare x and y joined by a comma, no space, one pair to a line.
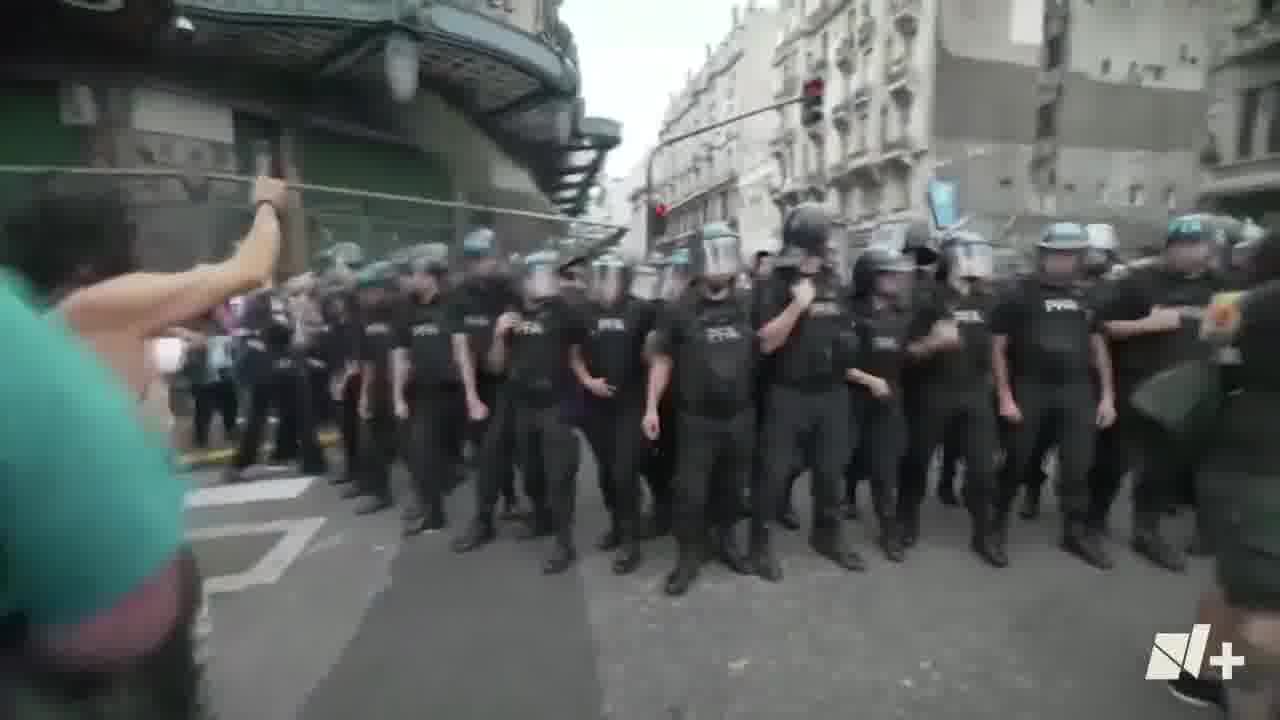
656,212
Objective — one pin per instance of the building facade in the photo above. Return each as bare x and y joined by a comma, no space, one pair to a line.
705,178
471,103
1242,156
1035,109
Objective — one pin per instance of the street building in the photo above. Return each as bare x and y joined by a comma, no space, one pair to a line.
1242,155
468,102
1034,109
702,179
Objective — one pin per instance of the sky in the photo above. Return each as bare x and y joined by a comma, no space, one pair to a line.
633,54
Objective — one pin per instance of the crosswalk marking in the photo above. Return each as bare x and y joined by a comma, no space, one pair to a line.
288,488
296,535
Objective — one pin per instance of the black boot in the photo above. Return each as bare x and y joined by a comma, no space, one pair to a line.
891,540
628,557
1085,544
352,491
611,538
996,540
374,504
1030,509
435,519
764,563
725,547
909,528
947,491
682,576
1150,543
561,558
985,544
510,509
478,534
413,522
537,525
344,477
829,542
659,524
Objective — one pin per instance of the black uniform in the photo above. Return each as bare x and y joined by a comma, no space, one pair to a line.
437,407
712,345
955,406
380,447
1163,474
343,343
806,421
879,336
614,350
539,382
473,310
1050,330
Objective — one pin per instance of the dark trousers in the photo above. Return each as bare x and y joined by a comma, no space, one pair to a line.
965,419
1071,411
882,440
349,426
612,428
379,449
285,391
803,429
489,388
432,441
712,467
219,397
548,453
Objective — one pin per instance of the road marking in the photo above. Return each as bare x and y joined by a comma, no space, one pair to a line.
221,455
287,488
272,566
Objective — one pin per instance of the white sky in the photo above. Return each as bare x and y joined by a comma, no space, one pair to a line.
634,53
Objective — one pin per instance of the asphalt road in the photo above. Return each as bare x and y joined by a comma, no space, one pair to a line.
320,615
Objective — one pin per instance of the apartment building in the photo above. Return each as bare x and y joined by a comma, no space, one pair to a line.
1242,154
1035,109
707,178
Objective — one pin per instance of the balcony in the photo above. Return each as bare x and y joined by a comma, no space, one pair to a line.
1256,40
896,69
861,95
900,80
846,55
1049,85
789,88
866,32
906,15
818,65
1044,151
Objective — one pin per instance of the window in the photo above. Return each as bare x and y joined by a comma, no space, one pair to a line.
1171,198
1156,72
1273,127
1106,66
1137,195
1054,52
1250,104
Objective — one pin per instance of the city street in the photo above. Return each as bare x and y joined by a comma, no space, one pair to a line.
321,615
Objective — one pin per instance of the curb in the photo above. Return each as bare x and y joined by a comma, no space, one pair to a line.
201,459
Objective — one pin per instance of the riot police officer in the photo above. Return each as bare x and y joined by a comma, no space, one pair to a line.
533,346
952,344
806,420
707,339
674,279
429,393
611,368
339,307
1153,317
876,340
376,286
1047,347
484,294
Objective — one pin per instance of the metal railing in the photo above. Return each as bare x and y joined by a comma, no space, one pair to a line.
182,217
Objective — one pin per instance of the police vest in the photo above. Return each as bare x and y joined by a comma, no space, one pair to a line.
810,357
1054,345
716,362
881,341
431,345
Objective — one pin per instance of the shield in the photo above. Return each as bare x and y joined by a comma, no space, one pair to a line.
720,255
972,259
646,283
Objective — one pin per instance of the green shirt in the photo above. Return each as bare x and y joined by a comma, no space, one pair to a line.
89,505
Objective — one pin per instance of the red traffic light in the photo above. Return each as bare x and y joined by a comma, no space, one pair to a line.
661,210
816,87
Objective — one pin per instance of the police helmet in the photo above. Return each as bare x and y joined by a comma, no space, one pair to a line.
1063,237
967,254
875,261
427,258
1199,228
716,251
610,276
913,238
1102,246
481,242
376,275
807,227
541,274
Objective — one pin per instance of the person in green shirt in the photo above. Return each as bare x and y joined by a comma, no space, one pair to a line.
98,593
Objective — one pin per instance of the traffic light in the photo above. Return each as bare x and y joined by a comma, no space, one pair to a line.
657,222
814,93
